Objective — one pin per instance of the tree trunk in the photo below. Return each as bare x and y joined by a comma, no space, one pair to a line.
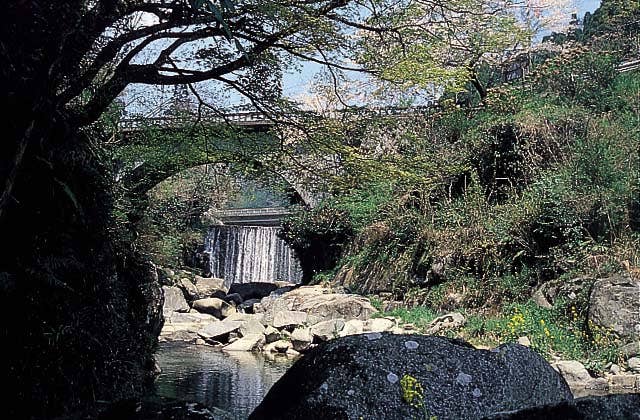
482,91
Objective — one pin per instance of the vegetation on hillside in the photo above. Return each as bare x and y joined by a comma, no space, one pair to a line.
475,208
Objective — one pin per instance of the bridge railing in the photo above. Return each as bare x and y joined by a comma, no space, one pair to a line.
257,118
233,118
629,66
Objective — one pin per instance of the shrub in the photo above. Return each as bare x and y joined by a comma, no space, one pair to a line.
318,236
579,76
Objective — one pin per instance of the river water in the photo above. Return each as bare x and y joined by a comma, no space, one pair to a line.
234,382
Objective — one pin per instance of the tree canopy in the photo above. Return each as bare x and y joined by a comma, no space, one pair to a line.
446,43
92,50
67,61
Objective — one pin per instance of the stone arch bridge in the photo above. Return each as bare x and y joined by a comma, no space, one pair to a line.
242,138
245,138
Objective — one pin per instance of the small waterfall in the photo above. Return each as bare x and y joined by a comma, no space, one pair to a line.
242,254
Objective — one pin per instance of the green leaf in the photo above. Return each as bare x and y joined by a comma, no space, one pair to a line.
217,13
70,194
197,4
241,48
228,5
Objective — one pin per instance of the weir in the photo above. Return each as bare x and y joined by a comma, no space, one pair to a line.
266,216
242,254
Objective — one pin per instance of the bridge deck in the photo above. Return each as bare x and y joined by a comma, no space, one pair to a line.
242,119
266,216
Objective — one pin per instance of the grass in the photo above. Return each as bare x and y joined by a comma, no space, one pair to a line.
419,316
552,332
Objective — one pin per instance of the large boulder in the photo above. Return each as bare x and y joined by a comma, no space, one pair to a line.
386,376
352,327
208,287
249,342
301,339
190,290
449,321
244,324
319,302
338,305
214,306
239,316
634,364
251,326
174,301
284,319
572,371
219,329
379,325
271,334
184,326
579,379
561,289
610,407
613,306
327,330
630,350
151,303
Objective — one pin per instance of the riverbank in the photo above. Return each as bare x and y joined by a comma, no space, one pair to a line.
292,320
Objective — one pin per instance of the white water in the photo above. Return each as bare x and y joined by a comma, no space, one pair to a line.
242,254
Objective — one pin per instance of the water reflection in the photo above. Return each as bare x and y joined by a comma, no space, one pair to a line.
235,382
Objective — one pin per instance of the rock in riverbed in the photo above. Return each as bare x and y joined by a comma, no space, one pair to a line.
385,376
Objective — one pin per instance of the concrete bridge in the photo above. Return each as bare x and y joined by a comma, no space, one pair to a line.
257,120
252,141
299,170
249,119
266,216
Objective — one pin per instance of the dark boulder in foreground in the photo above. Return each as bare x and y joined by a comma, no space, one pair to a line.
385,376
610,407
607,407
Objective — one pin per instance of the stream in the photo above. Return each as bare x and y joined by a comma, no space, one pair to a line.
234,382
